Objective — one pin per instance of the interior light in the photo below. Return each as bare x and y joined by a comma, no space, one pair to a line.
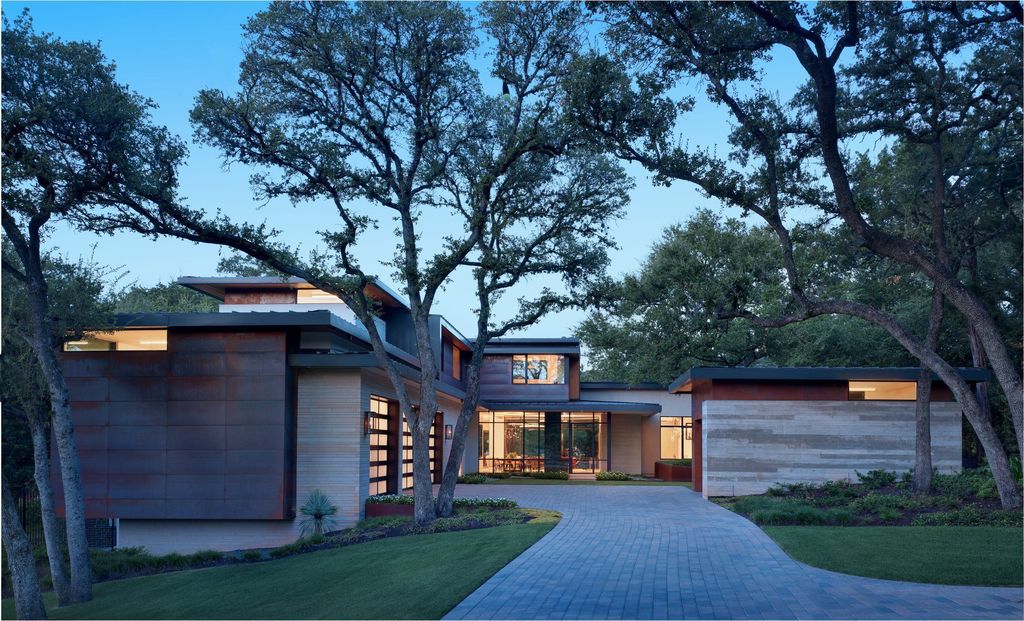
78,342
865,389
152,342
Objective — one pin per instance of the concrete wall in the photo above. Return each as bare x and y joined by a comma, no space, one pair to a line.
751,445
626,443
332,455
671,405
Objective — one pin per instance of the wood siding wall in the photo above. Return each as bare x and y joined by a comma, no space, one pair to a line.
496,384
748,446
201,431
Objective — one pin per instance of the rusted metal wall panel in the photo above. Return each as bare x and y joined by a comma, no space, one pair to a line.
204,430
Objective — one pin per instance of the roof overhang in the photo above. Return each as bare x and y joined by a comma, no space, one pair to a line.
684,383
614,407
217,287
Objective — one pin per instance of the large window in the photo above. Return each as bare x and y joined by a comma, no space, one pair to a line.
120,340
883,391
435,455
676,437
536,441
316,296
381,432
538,369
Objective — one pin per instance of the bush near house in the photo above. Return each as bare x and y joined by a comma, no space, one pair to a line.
880,498
560,475
473,478
612,475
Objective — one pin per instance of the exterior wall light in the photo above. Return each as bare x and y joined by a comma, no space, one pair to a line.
366,422
447,432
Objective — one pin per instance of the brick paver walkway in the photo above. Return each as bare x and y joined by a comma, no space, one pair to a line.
636,552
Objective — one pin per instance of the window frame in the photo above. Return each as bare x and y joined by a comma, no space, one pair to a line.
526,381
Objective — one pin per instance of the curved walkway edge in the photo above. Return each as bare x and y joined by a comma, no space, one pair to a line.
663,552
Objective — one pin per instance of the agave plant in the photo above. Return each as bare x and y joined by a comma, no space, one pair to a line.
318,514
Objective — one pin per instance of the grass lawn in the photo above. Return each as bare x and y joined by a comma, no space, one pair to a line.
409,577
527,481
974,555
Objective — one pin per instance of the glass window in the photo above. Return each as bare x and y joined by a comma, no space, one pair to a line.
380,445
676,437
517,441
316,296
434,448
883,391
538,369
120,340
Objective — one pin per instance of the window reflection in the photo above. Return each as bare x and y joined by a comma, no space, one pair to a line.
676,437
521,442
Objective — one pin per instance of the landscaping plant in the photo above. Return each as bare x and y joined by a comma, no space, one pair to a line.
317,514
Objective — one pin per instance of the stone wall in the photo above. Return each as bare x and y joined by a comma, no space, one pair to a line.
751,445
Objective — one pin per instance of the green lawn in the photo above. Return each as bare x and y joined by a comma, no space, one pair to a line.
974,555
410,577
526,481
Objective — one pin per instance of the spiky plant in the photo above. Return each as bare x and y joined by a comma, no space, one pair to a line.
318,514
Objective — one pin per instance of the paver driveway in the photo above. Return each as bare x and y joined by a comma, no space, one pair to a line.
649,552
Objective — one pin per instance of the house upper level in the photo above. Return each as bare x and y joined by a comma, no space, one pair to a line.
327,331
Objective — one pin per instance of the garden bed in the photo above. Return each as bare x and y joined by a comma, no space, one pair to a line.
880,498
468,514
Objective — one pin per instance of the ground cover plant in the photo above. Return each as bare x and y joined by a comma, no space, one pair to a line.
880,498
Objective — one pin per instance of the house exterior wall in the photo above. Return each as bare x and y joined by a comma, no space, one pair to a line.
331,455
625,432
650,427
749,445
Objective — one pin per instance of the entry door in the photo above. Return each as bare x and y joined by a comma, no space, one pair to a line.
582,444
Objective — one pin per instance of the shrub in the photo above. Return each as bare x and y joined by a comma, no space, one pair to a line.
498,475
796,514
969,516
840,517
300,545
318,514
206,556
252,555
839,490
612,476
560,475
876,503
962,485
888,514
987,489
677,462
492,503
876,479
750,504
473,478
390,499
803,490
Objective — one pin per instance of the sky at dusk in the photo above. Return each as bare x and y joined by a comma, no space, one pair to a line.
169,51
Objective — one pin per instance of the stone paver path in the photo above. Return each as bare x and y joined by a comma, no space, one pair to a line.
650,552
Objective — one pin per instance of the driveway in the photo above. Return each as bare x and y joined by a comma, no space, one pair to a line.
663,552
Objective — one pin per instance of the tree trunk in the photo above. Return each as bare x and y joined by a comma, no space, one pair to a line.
28,598
80,585
923,437
423,483
51,525
446,493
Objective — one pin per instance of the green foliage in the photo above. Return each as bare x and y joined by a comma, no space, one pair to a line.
302,544
969,516
317,514
389,499
473,478
876,479
963,484
612,475
164,298
126,562
560,475
676,462
492,503
250,556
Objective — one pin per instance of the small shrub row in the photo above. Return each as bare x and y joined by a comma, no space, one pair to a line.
676,462
796,514
473,478
490,503
121,562
390,499
876,479
300,545
612,475
560,475
969,516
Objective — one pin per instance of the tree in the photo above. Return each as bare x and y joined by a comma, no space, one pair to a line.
78,295
73,139
375,106
780,152
163,298
28,599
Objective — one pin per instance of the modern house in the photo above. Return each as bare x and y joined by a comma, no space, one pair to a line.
207,430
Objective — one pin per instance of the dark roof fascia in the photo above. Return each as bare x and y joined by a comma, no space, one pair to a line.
813,374
562,340
532,349
214,286
572,406
622,386
257,319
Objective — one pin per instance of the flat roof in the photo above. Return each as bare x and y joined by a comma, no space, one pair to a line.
622,386
684,382
216,286
572,406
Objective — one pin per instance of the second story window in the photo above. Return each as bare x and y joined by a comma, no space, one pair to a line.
538,369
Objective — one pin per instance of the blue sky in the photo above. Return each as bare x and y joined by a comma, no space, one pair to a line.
168,51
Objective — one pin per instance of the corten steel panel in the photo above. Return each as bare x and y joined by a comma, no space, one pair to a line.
205,430
259,296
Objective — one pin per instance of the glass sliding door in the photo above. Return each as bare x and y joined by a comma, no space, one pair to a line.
584,441
517,442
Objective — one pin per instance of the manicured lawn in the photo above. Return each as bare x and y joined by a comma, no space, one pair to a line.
409,577
526,481
974,555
